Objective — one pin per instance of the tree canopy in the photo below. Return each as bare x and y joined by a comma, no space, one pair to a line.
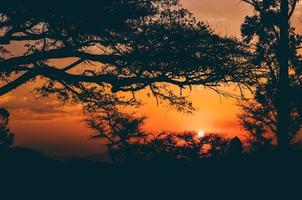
262,33
113,46
127,141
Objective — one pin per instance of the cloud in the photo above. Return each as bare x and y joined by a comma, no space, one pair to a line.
24,106
224,17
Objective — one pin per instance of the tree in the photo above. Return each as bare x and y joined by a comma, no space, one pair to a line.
275,51
127,141
259,115
6,136
283,84
112,46
118,130
236,147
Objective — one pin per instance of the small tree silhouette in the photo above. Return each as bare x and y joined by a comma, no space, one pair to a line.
119,130
235,148
6,136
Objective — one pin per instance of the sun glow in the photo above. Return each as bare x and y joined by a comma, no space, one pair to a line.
201,133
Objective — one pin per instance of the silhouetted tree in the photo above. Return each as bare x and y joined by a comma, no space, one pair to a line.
275,43
126,141
259,115
118,130
283,84
235,148
112,45
6,136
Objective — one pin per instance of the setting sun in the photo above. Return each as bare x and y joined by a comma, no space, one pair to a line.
201,133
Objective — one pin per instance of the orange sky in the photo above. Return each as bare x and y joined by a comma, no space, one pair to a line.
43,125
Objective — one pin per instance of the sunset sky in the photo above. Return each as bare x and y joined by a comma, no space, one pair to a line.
44,125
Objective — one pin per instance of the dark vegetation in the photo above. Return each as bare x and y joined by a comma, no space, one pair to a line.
116,46
142,162
261,114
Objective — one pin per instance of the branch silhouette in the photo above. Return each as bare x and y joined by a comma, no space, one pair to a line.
120,46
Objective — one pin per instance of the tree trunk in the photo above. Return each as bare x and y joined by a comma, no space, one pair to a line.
283,86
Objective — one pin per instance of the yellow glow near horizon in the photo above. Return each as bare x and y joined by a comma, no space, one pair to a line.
201,133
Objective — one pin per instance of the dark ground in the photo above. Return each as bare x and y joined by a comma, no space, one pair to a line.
26,174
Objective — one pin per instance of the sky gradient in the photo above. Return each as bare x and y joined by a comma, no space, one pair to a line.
43,124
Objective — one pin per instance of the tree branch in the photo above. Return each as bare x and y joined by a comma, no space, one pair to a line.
56,54
292,9
17,82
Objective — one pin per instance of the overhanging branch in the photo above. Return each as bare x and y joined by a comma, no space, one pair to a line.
57,54
17,82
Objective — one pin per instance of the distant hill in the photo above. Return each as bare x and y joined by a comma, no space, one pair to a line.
98,157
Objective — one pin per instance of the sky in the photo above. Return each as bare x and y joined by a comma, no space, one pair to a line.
45,125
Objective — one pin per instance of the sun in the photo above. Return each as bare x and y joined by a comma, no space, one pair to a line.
201,133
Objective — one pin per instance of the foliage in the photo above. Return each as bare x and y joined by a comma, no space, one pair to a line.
113,46
127,141
6,136
262,32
